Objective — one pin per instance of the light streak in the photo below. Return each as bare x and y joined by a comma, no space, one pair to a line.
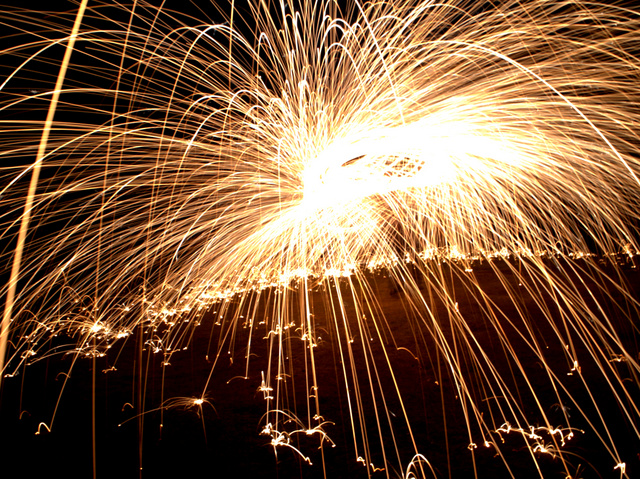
294,149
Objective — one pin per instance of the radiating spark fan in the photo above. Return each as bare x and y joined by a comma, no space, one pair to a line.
281,152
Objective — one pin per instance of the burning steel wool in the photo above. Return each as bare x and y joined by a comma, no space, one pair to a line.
283,171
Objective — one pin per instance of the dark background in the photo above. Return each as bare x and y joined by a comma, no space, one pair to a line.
223,440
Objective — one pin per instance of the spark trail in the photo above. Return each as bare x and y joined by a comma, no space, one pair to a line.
285,150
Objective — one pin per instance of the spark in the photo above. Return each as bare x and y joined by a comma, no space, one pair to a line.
238,169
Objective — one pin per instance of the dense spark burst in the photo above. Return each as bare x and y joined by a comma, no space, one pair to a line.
288,153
